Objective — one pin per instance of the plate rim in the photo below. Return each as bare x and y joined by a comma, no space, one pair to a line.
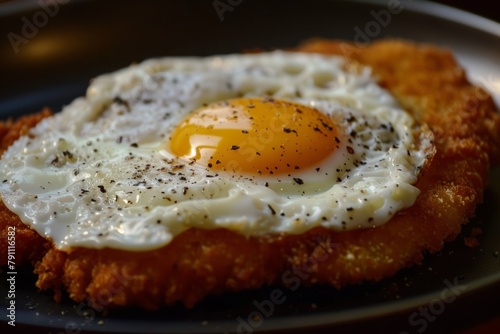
384,308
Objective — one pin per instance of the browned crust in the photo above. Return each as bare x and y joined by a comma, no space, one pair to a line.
30,247
432,86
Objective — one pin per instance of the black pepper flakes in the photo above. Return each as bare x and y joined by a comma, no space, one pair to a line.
298,181
350,150
67,154
234,147
143,183
119,100
101,188
351,119
326,125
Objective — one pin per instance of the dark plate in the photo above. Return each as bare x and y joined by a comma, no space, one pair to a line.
56,59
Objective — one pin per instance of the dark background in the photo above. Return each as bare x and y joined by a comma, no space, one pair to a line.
76,63
485,8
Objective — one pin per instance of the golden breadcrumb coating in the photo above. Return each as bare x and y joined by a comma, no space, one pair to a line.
428,82
30,247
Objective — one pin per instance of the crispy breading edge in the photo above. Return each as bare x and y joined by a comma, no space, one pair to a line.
30,246
429,83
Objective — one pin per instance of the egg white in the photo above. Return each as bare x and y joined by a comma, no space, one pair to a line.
99,173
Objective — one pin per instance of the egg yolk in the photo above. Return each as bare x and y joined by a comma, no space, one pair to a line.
256,136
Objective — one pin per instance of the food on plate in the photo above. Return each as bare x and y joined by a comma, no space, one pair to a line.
179,178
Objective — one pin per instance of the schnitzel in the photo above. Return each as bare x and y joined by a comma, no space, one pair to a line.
426,80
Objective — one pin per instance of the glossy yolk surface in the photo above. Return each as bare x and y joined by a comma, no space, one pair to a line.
256,136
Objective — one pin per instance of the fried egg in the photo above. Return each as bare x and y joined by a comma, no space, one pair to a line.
258,144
